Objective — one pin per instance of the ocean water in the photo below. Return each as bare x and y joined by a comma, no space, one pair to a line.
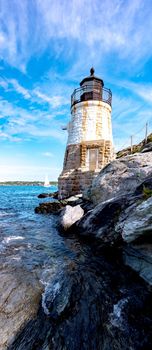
30,242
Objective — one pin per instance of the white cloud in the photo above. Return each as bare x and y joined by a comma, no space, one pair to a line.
43,96
6,136
20,89
98,27
54,101
44,131
48,154
4,84
34,95
13,85
129,117
19,172
92,31
142,90
34,123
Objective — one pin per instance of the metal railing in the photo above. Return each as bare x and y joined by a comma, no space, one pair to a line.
89,92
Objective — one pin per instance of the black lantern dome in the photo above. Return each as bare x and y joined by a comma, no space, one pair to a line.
91,88
92,78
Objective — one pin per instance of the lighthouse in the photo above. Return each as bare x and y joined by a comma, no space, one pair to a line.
90,144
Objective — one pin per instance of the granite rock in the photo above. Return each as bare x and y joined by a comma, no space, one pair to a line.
147,148
70,215
47,195
138,224
139,258
49,207
120,177
98,304
20,296
124,221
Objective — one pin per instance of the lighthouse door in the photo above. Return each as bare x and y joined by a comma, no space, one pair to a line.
93,158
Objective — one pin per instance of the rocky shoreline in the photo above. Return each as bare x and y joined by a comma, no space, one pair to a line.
102,300
116,209
97,303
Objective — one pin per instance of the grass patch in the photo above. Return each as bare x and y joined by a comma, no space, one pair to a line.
147,192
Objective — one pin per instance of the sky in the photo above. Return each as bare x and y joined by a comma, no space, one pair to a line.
46,48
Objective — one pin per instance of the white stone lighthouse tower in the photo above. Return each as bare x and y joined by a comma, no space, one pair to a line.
90,145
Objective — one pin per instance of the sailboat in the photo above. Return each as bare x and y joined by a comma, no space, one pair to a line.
46,183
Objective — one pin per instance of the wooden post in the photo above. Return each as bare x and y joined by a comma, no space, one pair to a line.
131,148
146,132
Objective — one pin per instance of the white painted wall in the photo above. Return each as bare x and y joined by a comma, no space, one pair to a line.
76,132
91,123
75,128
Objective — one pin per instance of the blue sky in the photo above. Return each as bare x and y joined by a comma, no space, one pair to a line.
46,48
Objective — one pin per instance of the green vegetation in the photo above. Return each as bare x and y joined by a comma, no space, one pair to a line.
147,192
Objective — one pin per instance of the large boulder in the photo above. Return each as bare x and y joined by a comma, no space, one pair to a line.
100,222
107,220
135,226
147,147
70,215
139,258
20,293
138,224
124,221
120,177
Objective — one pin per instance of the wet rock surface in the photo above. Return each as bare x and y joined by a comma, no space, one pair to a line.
94,303
99,223
122,197
70,215
123,221
47,195
55,206
49,207
139,258
20,296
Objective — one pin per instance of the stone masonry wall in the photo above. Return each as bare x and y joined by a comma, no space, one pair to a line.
72,157
76,155
74,182
76,176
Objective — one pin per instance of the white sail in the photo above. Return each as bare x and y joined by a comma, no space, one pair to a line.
46,183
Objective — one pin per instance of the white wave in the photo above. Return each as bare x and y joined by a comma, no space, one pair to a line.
52,291
5,213
50,279
2,247
6,240
46,310
17,258
49,273
117,319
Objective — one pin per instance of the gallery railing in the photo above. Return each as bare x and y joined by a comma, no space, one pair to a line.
88,92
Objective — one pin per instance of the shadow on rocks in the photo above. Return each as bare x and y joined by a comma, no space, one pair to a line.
96,303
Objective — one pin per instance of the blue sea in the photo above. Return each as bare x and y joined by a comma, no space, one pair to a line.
30,242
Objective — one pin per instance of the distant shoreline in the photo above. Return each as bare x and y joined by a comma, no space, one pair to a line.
26,183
